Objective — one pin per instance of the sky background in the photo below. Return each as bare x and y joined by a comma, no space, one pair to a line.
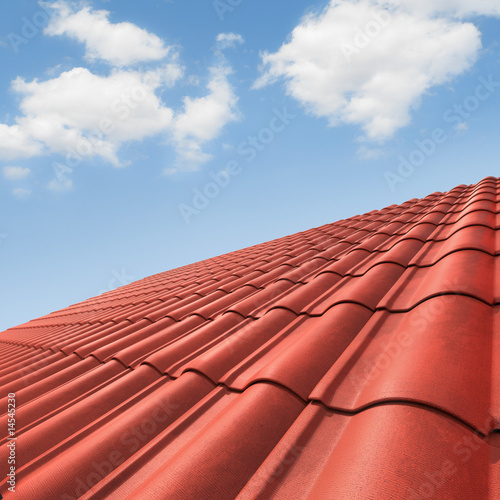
115,116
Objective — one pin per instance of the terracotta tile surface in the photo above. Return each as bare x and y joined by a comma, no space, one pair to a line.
357,360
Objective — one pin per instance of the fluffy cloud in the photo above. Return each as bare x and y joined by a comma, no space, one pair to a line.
203,118
15,142
80,114
120,44
91,114
15,173
369,62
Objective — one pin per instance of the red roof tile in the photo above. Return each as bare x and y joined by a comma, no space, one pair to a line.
357,360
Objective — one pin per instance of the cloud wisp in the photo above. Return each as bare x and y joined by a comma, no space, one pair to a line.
15,173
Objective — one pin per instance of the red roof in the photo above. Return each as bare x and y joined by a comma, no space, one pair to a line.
357,360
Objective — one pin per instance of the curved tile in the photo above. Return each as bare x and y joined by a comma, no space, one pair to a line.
181,350
239,343
386,452
420,232
479,204
469,238
305,272
469,217
366,290
120,437
186,306
161,333
218,305
81,417
400,253
303,353
374,242
335,251
259,303
433,217
131,336
235,443
298,298
36,407
32,373
390,319
270,277
346,262
437,354
81,339
466,272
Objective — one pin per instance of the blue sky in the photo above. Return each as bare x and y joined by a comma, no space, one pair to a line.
139,137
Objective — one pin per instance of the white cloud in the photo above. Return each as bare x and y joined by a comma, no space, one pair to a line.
203,116
91,114
369,62
203,119
82,115
225,40
120,44
453,8
15,173
15,142
21,192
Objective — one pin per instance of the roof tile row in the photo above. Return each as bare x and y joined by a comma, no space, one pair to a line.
360,359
